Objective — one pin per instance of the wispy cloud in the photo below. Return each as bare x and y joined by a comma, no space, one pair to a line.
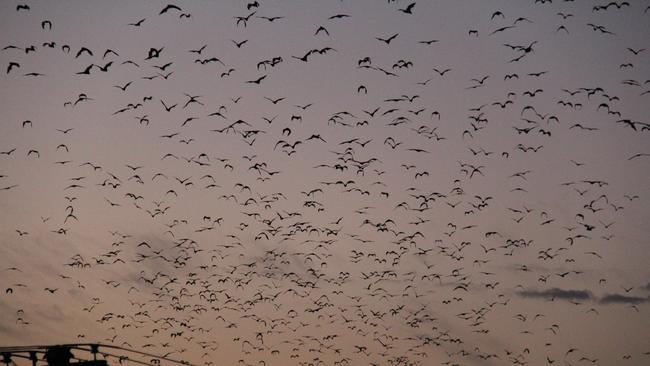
557,293
623,299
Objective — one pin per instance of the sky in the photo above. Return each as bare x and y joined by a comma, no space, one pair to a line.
328,182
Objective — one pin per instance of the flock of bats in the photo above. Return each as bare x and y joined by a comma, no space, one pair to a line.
278,228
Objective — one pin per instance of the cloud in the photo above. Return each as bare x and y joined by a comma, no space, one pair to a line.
622,299
556,293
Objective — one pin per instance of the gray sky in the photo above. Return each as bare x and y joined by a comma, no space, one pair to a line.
328,195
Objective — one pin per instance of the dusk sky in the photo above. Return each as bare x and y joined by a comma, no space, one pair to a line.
279,182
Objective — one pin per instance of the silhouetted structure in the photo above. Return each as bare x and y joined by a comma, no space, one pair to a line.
61,355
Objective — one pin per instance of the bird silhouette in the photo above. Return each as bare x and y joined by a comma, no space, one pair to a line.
408,9
168,8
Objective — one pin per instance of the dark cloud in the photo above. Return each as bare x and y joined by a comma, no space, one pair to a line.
556,293
622,299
